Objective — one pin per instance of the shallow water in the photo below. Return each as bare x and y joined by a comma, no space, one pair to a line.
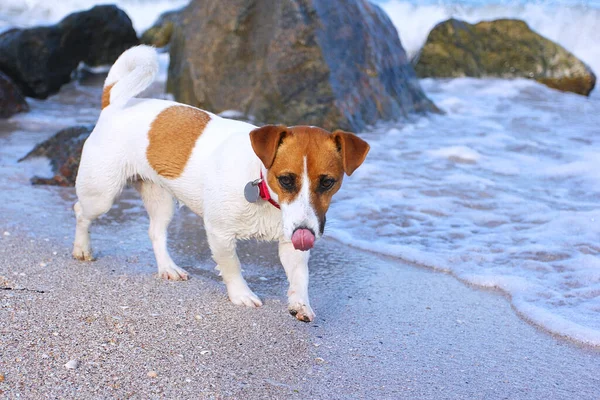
502,191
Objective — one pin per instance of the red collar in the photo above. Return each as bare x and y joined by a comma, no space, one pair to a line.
264,192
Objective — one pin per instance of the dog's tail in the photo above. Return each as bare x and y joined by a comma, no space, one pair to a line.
133,72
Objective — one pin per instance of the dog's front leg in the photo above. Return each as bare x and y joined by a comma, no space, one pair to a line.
295,263
228,263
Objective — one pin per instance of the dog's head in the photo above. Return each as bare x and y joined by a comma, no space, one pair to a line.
305,167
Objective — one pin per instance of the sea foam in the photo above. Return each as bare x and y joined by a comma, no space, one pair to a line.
502,191
25,13
574,24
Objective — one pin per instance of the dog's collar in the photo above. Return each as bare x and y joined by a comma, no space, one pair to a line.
264,193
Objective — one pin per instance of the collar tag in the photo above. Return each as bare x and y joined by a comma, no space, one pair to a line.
258,189
252,191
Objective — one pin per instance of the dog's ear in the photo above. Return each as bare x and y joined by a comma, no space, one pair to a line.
265,141
353,149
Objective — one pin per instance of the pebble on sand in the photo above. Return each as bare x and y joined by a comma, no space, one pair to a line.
1,377
72,364
152,374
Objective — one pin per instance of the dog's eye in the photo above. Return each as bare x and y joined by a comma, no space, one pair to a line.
326,183
288,182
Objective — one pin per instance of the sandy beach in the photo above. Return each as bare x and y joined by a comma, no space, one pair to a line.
459,262
384,329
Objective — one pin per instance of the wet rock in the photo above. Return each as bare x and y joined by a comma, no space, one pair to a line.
64,152
106,32
331,63
40,60
503,48
159,35
11,99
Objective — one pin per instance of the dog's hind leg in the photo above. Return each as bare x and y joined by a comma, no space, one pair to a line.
228,263
160,206
94,200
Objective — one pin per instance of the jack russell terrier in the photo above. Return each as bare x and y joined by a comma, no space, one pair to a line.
271,183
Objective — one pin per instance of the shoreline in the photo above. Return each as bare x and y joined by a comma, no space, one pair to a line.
384,328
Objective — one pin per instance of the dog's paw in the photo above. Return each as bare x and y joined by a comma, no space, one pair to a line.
82,253
241,295
173,273
302,312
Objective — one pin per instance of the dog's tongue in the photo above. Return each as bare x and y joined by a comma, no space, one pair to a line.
303,239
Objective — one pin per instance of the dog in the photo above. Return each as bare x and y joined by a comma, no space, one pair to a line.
272,183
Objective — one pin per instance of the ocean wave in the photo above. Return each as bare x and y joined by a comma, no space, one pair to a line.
572,24
501,192
25,13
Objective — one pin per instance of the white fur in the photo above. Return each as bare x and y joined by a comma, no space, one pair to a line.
211,185
300,213
133,72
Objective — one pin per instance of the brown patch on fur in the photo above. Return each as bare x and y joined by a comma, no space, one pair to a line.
106,95
323,159
173,135
328,156
265,142
354,150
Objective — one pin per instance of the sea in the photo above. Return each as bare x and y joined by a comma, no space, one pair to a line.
502,191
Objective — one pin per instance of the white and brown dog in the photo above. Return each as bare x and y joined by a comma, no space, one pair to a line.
270,183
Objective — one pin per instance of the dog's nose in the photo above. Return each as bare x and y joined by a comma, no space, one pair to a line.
303,239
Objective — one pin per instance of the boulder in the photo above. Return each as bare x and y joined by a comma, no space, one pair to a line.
331,63
11,99
101,33
64,152
505,48
159,34
40,60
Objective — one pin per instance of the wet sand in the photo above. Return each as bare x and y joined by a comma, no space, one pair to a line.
384,328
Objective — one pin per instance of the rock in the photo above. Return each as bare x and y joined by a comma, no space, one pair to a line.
331,63
64,151
159,35
40,60
503,48
104,33
11,99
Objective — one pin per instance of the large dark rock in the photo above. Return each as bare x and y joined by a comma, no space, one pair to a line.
64,152
503,48
159,34
101,34
11,99
331,63
40,60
